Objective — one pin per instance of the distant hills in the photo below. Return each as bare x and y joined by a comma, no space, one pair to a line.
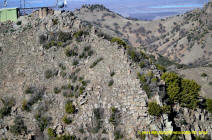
140,9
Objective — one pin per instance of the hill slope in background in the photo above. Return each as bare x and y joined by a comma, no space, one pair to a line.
67,76
183,38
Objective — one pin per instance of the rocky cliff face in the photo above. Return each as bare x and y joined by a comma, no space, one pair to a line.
60,77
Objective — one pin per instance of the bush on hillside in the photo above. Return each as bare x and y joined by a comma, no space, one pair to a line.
51,133
18,127
204,75
67,120
160,67
142,65
42,120
71,52
78,35
110,83
50,73
96,62
118,41
6,109
134,55
70,108
154,109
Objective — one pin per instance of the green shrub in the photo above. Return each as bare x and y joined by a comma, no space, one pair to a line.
57,90
55,21
50,73
62,66
63,74
166,109
112,74
83,55
97,119
105,36
96,62
18,127
204,75
18,22
110,83
118,135
134,55
209,105
75,62
29,90
164,61
74,79
79,34
210,83
118,41
149,74
51,133
43,121
147,89
90,52
85,82
67,120
142,78
64,36
81,130
70,108
114,116
154,80
81,78
154,109
25,105
160,67
81,90
143,55
71,52
87,48
6,109
68,94
141,65
52,43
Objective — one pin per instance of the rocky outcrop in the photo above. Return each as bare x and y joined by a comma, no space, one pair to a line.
65,77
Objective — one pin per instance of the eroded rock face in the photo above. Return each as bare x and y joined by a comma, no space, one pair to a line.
198,120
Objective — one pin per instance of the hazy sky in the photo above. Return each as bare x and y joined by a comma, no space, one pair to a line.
124,7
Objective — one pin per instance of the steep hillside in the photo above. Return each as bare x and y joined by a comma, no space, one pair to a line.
184,38
64,78
56,73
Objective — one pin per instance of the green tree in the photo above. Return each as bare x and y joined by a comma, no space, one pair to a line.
172,81
181,90
189,94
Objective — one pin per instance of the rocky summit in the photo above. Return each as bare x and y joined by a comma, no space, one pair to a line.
62,77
